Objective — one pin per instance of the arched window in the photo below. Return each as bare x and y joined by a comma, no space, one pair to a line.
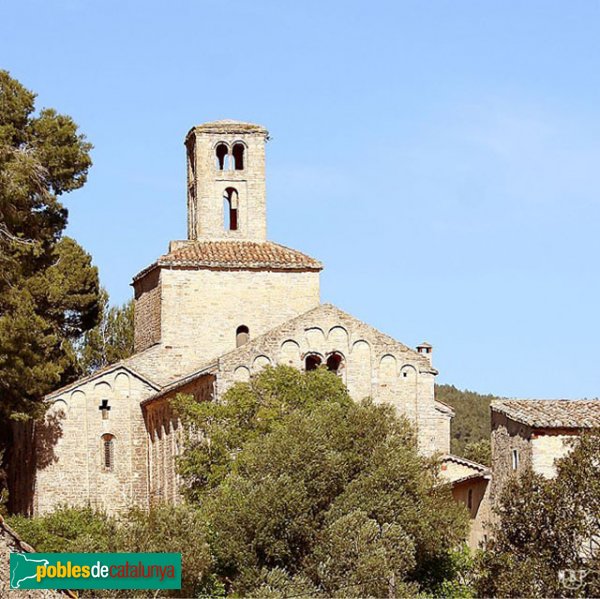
238,157
312,362
334,362
108,451
230,209
221,152
242,334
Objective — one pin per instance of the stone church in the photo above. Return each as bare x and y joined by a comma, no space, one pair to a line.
214,310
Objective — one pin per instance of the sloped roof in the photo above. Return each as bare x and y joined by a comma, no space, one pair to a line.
551,413
172,373
128,364
472,470
450,457
229,126
444,408
336,316
207,369
235,255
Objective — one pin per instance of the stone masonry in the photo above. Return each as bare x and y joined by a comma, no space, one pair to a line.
211,312
536,433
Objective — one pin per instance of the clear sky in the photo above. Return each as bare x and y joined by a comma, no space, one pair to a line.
441,158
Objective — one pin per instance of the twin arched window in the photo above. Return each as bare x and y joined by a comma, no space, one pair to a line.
334,362
226,160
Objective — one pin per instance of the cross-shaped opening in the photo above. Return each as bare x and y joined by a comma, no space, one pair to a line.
105,408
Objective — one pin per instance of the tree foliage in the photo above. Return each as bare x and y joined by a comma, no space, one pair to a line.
48,286
110,340
302,488
471,424
546,526
177,529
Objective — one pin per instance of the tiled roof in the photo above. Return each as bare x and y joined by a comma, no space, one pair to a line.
551,413
235,255
464,462
229,126
467,470
444,407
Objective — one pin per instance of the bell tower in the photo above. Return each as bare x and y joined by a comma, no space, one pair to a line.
226,191
226,283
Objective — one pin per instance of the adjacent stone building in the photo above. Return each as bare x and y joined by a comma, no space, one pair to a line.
214,310
470,483
536,433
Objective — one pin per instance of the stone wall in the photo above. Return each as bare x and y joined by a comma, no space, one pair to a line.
202,309
508,435
373,365
479,511
547,446
147,310
441,430
71,452
206,184
166,439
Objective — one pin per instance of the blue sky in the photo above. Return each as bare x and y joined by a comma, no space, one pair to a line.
441,158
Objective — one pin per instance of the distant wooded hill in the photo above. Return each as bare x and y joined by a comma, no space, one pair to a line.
471,426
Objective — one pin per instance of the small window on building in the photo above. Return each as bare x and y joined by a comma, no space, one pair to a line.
312,362
222,151
242,334
238,157
515,459
334,362
230,209
108,451
470,499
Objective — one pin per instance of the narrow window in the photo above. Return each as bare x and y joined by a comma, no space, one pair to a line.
108,451
230,209
221,152
334,362
470,499
515,459
312,362
238,157
242,334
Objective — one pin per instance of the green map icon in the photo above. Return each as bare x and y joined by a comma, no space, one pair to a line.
23,567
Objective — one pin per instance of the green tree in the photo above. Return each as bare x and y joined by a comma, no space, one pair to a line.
302,488
177,529
111,340
48,286
471,424
479,451
545,526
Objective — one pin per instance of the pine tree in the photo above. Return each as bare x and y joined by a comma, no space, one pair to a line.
48,286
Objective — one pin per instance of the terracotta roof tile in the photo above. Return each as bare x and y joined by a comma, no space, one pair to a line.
235,255
551,413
